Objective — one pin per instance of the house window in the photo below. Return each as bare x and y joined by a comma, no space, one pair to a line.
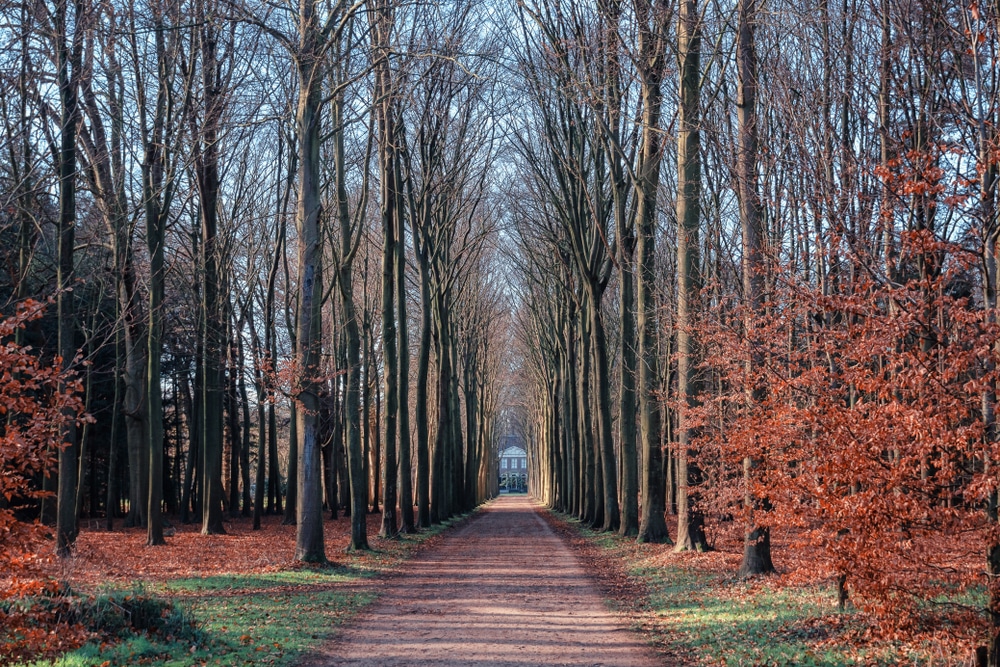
523,464
503,463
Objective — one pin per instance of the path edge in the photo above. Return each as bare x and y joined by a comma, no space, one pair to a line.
626,596
313,657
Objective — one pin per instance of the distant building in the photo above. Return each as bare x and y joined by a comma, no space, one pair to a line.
513,465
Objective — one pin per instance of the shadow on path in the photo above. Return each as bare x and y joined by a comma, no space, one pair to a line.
501,590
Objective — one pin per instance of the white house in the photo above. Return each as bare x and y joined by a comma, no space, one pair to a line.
514,468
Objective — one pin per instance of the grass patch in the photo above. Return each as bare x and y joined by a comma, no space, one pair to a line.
725,622
242,582
232,620
696,611
271,618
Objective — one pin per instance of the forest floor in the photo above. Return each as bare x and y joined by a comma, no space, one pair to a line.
694,610
122,556
512,584
249,603
504,588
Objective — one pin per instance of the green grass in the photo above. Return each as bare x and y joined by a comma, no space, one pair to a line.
253,619
728,623
238,620
711,618
236,582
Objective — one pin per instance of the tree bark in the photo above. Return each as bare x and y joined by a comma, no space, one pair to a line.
356,484
652,56
690,524
605,443
309,546
156,194
757,539
389,190
426,513
405,465
207,172
69,52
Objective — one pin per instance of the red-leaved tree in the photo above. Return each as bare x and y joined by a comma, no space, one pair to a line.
870,441
35,397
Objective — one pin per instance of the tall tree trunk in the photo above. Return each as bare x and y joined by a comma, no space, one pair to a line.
389,190
426,512
155,240
106,162
405,465
214,321
652,48
441,455
366,417
244,403
571,432
442,480
259,480
157,204
68,64
757,539
471,430
291,485
136,413
309,546
690,524
356,477
458,447
111,501
349,242
373,420
232,406
192,411
592,513
336,436
625,231
989,139
274,505
627,399
605,443
154,524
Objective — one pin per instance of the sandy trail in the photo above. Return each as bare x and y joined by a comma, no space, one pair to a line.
503,589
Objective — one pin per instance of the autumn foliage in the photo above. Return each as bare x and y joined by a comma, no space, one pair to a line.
867,429
35,397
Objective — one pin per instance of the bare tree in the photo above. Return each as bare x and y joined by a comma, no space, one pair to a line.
309,44
653,20
757,541
690,523
66,25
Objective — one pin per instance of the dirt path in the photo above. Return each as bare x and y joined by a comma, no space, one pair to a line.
501,590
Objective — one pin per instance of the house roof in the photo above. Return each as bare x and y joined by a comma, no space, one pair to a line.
513,451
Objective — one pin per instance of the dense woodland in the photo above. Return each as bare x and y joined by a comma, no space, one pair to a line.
728,269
